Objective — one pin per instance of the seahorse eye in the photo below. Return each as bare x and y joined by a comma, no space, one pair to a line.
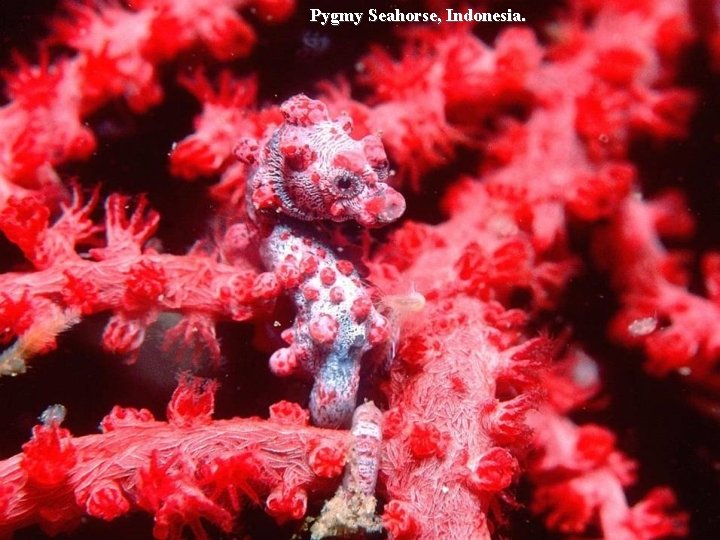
346,185
344,182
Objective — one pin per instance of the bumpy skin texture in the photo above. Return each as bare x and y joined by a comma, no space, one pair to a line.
311,170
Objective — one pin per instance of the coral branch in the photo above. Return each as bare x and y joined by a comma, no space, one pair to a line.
133,282
465,374
677,329
117,52
581,476
581,481
188,469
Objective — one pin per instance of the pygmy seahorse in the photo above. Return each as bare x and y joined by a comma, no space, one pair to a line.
310,170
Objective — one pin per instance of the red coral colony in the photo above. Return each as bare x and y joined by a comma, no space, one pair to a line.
395,279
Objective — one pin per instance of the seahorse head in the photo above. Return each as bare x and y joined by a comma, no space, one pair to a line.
311,169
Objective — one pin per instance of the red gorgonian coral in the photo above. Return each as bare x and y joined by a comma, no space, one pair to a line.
195,186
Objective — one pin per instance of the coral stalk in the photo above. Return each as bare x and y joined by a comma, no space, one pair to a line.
123,276
181,471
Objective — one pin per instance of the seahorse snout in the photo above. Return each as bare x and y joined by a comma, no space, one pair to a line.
383,208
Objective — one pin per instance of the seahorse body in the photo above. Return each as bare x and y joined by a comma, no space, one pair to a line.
311,170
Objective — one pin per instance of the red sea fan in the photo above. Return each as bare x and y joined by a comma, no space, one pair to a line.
486,414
